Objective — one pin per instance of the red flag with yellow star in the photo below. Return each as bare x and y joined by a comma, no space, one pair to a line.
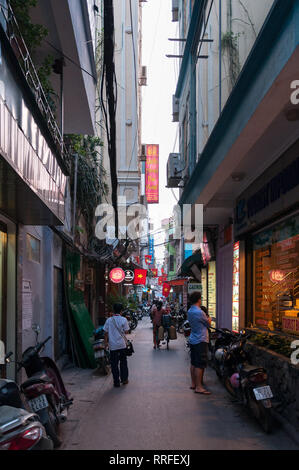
140,276
166,289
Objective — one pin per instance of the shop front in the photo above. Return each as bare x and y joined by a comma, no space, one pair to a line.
267,224
276,276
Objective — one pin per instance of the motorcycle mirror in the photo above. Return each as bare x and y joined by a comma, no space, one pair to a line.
36,329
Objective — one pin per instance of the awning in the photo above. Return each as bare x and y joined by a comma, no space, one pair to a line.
196,259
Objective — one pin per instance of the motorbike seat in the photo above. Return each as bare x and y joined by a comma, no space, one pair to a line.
248,369
36,380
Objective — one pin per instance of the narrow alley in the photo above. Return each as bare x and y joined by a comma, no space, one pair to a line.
157,410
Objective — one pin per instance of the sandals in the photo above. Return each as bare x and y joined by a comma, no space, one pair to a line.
205,392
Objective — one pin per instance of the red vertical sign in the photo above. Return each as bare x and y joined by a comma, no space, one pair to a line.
152,174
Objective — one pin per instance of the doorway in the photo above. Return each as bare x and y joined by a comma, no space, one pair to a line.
3,282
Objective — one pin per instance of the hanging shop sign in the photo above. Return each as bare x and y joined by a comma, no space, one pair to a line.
212,292
194,287
236,288
117,275
204,285
272,193
152,174
129,275
151,249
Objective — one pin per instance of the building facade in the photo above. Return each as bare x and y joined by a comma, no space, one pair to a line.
35,165
238,131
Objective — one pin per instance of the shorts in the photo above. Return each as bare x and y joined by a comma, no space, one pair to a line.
199,355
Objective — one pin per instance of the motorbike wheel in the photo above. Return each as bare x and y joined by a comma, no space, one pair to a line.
51,427
262,414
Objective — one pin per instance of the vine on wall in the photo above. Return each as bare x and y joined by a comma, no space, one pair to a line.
229,43
91,187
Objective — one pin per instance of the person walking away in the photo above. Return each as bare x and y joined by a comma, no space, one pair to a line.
115,329
157,318
153,309
199,340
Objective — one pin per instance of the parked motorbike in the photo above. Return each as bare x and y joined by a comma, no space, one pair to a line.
19,429
44,389
101,354
220,338
131,317
247,383
139,314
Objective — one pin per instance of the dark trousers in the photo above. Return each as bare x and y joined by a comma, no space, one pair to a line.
119,366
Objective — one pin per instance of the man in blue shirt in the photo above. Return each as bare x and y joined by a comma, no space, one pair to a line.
199,340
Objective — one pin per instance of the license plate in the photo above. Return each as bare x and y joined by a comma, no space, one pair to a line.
38,403
263,393
99,353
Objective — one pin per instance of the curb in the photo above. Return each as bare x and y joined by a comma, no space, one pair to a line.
288,428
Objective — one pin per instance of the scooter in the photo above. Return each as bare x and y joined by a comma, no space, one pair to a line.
101,354
247,383
44,389
19,429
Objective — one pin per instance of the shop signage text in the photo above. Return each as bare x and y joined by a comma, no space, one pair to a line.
271,192
152,174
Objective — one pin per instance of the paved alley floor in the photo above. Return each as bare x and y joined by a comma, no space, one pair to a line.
157,410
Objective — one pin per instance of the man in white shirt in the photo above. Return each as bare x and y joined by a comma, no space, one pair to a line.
115,329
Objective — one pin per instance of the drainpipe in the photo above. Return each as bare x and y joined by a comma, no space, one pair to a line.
75,193
220,57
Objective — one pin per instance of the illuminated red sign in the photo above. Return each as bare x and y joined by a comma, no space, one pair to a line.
276,276
152,174
117,275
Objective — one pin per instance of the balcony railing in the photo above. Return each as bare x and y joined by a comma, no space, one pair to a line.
14,36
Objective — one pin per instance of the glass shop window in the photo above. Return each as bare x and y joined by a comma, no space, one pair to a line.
276,277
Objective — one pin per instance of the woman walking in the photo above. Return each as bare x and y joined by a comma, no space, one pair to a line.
157,318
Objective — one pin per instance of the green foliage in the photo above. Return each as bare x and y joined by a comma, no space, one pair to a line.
127,302
276,343
116,299
44,72
229,42
33,34
91,187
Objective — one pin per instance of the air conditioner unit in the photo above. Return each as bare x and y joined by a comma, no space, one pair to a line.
142,157
174,170
143,76
175,10
175,109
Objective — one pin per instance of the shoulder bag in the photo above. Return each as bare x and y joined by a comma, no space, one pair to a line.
129,345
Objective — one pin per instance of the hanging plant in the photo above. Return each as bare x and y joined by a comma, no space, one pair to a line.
33,35
229,43
91,187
